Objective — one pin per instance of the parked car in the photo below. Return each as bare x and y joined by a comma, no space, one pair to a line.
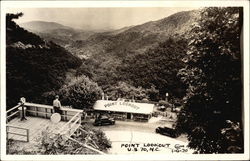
167,131
104,120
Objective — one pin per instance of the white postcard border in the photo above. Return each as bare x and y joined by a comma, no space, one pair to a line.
68,4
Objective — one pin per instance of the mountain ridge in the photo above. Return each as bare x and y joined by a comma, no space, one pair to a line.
42,26
138,38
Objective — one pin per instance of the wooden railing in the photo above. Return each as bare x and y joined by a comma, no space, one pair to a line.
14,132
12,112
72,125
73,116
40,110
46,111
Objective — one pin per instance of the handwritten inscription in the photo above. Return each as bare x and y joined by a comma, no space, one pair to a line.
179,149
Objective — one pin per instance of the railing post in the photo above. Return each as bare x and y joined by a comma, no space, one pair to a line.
23,112
80,118
36,111
7,132
69,128
27,132
65,117
7,119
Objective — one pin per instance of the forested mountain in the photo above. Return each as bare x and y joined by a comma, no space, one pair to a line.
134,56
33,65
145,57
119,42
157,67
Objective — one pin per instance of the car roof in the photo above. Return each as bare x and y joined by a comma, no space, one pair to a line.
104,117
165,127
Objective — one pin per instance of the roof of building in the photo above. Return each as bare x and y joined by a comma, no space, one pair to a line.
122,106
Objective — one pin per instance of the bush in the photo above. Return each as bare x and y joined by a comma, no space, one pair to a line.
50,143
13,148
80,93
99,138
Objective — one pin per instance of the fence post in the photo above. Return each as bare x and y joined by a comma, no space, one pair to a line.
7,119
23,112
69,128
36,111
27,132
80,118
7,132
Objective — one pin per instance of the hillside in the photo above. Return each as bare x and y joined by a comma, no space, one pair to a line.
134,55
33,65
123,55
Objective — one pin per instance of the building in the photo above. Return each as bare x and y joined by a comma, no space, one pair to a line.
124,109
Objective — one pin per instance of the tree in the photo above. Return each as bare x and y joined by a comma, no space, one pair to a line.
80,93
125,90
213,76
11,16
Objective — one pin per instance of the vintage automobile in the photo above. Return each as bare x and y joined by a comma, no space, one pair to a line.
104,120
167,131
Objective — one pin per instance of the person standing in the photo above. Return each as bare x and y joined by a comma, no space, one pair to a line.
57,105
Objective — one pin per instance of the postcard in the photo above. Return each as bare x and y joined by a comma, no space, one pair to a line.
124,80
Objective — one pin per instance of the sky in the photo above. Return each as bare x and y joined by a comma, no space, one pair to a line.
96,18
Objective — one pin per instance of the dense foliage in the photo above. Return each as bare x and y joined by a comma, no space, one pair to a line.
147,75
212,113
50,143
125,90
140,56
157,67
33,66
80,93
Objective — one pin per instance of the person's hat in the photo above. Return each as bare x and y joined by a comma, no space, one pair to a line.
57,96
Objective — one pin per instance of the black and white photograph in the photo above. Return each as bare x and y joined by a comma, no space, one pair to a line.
148,80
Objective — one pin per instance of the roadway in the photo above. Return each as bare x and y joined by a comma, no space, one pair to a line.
129,133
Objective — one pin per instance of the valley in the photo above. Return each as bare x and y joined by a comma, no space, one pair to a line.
108,56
